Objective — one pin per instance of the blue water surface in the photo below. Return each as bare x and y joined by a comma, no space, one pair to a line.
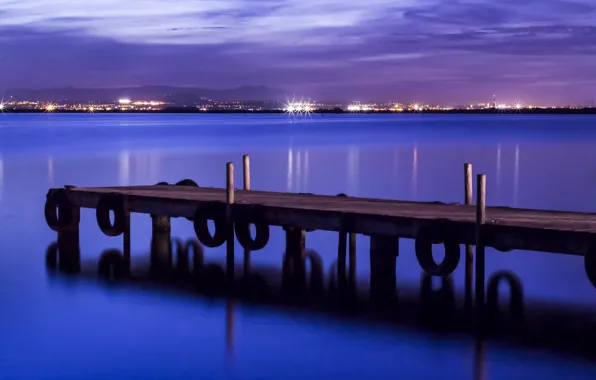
71,328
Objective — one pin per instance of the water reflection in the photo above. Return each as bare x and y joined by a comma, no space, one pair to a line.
516,178
124,168
433,304
298,170
415,172
353,170
1,176
498,174
50,169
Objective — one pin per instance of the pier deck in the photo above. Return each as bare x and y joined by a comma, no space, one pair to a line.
505,228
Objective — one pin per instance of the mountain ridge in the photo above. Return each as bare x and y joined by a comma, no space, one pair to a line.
175,94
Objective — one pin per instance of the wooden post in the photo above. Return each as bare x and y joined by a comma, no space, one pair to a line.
246,171
69,252
161,242
352,259
295,256
246,175
341,260
230,224
383,254
480,220
126,237
468,195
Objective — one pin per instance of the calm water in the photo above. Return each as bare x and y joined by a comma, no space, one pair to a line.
56,327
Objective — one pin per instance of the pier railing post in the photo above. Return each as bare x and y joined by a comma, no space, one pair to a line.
480,259
230,223
468,195
246,176
246,171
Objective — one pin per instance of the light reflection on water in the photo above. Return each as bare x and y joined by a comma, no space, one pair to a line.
402,158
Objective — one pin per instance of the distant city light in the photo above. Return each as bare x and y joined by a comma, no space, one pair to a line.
124,101
518,106
357,107
299,107
50,107
1,106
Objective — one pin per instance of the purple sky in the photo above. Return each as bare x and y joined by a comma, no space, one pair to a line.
408,50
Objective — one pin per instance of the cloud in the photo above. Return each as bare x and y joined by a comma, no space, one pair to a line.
185,21
394,48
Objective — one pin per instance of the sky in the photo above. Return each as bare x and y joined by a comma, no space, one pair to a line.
447,51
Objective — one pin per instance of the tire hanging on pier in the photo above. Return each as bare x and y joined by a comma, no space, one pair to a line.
242,229
58,210
204,213
115,203
424,251
590,263
187,182
516,295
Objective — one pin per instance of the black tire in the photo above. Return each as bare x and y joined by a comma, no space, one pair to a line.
58,210
424,253
115,203
215,212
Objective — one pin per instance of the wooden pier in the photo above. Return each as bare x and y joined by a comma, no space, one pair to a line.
385,221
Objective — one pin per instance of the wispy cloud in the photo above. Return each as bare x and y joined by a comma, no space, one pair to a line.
344,46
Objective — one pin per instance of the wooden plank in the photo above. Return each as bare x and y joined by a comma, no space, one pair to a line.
506,228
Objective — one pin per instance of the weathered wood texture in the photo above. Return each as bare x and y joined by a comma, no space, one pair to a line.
505,228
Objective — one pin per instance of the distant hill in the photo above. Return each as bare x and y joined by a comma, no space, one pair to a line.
172,94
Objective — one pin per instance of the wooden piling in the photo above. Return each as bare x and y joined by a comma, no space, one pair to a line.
383,254
246,176
126,236
230,225
161,246
352,260
468,195
341,260
246,171
480,259
69,252
296,255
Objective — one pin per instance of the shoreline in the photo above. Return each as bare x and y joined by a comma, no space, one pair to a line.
188,110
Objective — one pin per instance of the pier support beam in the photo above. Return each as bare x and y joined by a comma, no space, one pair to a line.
383,254
161,244
69,251
126,236
294,261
